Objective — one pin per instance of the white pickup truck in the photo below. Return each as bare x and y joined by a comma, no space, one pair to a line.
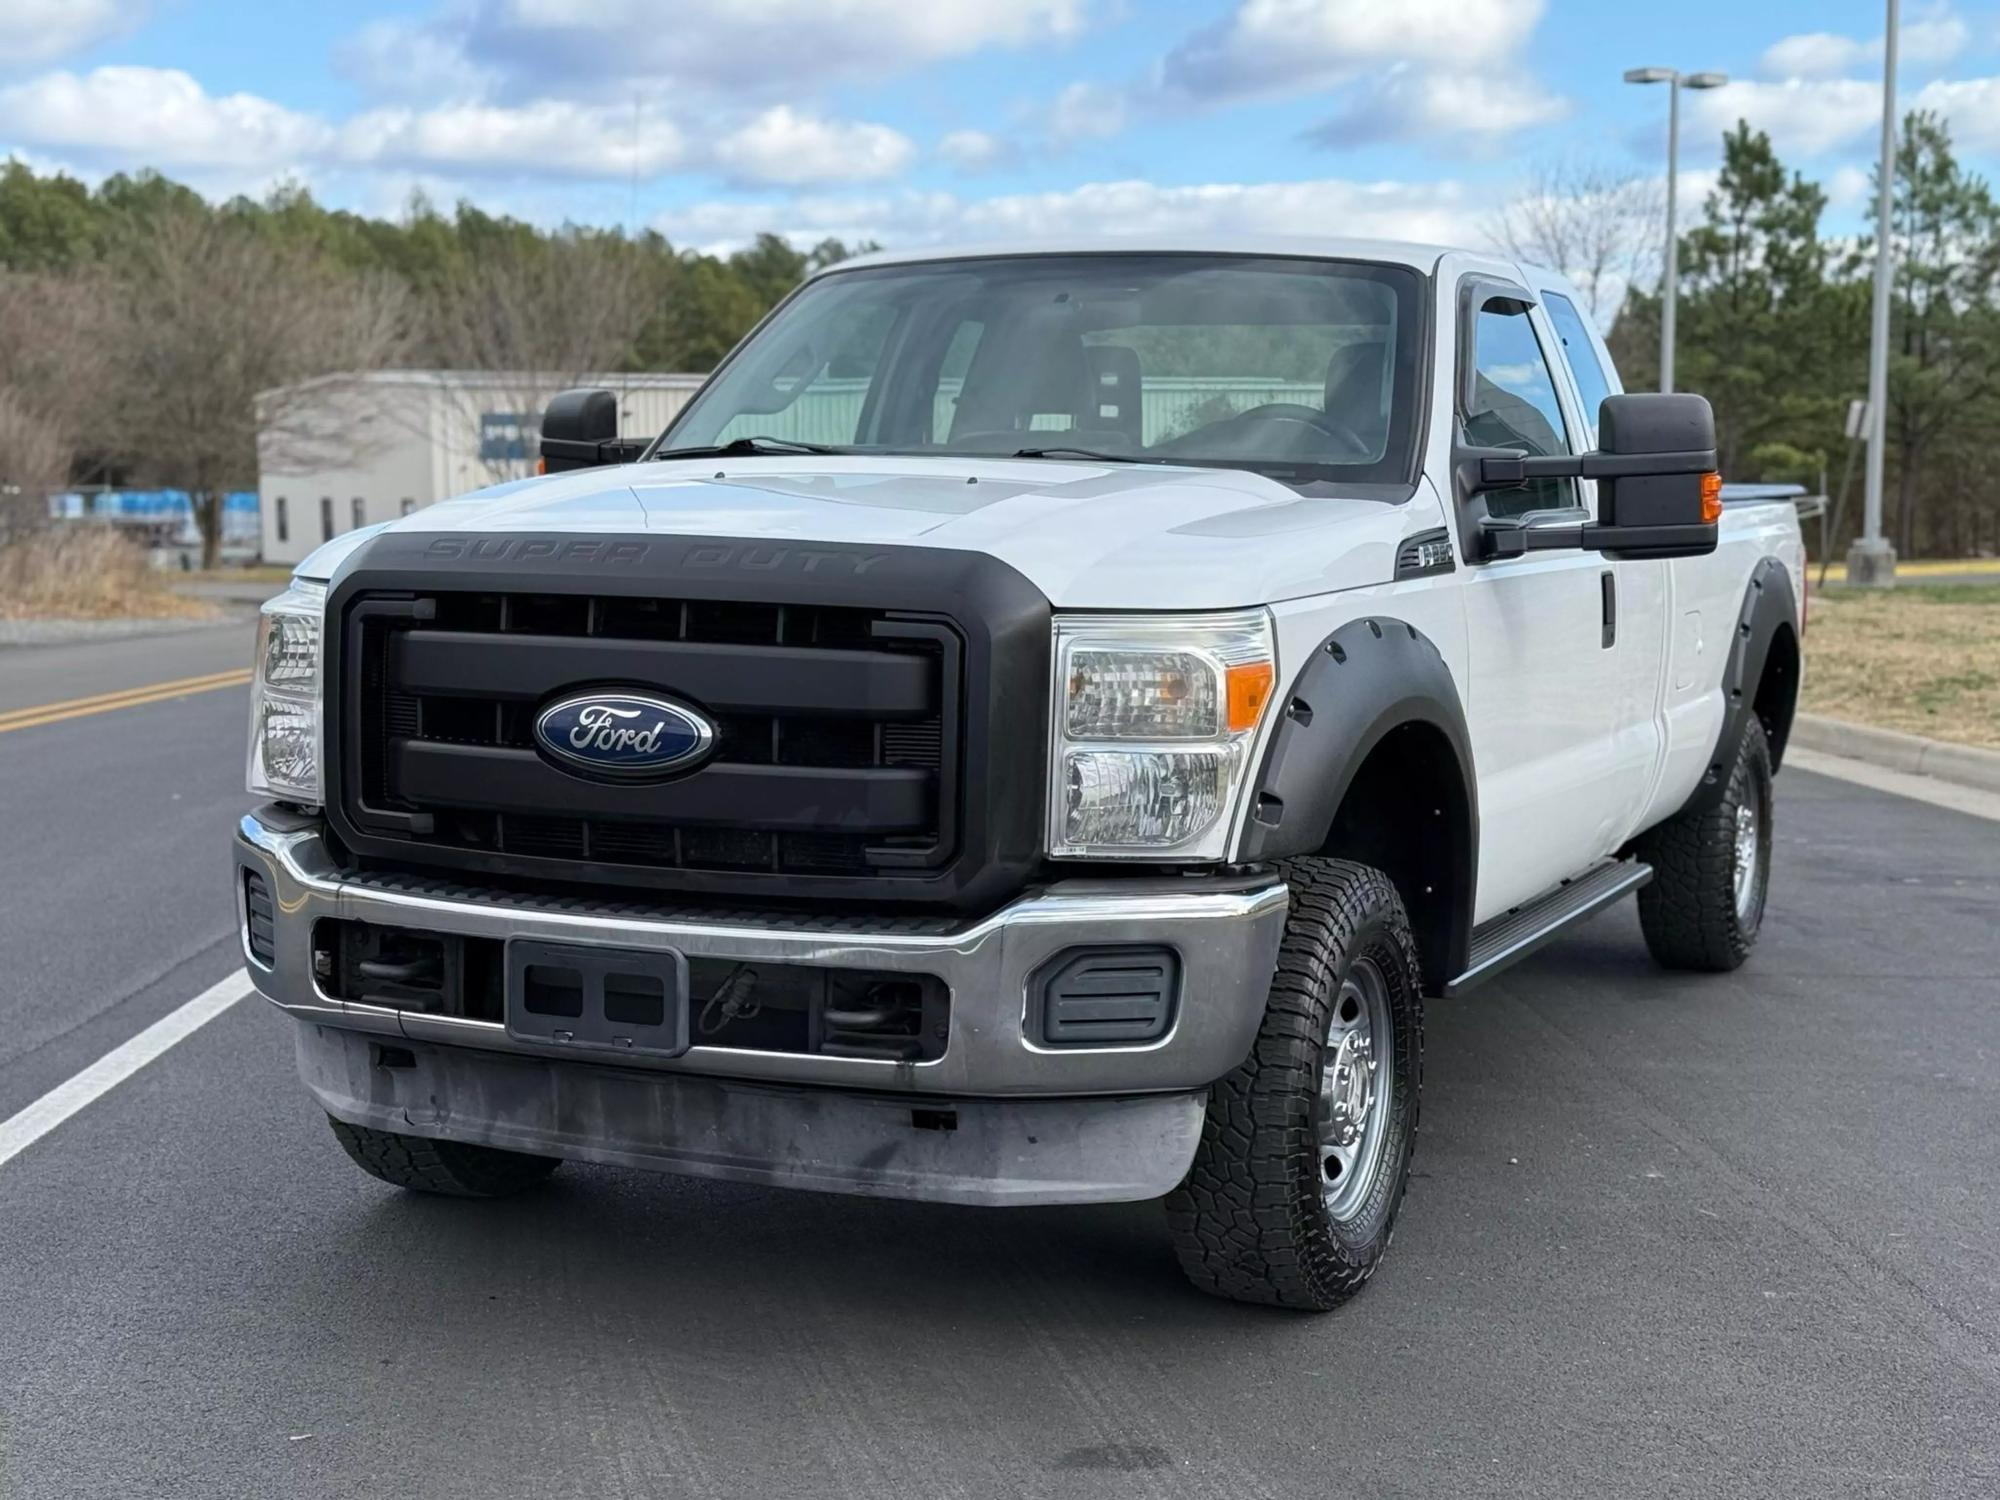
1035,729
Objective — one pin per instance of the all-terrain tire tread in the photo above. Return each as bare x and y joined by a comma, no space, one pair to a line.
1248,1223
1688,910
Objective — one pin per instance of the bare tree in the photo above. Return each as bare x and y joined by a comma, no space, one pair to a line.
1601,228
34,461
535,316
54,352
209,316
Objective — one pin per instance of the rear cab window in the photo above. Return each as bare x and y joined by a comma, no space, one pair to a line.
1579,351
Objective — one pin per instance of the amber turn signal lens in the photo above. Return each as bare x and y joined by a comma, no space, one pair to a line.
1249,691
1711,498
541,466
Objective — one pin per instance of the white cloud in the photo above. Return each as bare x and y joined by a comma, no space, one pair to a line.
127,116
39,31
1971,105
1433,211
414,60
785,147
1930,40
1272,47
1847,189
158,117
974,151
1813,54
734,46
1802,118
550,137
1479,110
1086,112
1813,117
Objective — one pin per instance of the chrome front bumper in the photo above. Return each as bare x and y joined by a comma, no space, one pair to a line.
1227,939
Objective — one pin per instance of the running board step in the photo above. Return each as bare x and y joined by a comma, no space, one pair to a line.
1508,939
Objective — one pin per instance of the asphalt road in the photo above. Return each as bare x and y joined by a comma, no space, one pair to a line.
1669,1235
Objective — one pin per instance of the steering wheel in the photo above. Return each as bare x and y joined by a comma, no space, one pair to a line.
1294,413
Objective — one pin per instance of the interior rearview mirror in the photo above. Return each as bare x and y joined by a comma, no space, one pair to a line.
1658,492
580,431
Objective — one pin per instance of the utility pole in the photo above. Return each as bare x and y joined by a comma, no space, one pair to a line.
1670,281
1871,562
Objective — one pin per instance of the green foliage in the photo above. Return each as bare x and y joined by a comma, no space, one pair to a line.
1774,327
1756,307
1944,359
689,308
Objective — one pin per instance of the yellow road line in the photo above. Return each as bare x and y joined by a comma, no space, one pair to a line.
36,710
77,708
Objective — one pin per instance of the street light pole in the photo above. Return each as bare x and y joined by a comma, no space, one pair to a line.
1670,279
1871,562
1670,282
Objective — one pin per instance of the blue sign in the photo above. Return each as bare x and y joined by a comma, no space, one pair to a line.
509,435
630,736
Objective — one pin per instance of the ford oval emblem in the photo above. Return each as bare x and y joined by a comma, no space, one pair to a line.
631,736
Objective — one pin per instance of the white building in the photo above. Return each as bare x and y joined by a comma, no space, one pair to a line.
345,451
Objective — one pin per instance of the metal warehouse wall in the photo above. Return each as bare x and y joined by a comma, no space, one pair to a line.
387,444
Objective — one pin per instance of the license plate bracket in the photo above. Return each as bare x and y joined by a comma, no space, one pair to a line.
627,1001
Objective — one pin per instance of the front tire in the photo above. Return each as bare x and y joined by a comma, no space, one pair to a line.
1712,870
451,1169
1305,1152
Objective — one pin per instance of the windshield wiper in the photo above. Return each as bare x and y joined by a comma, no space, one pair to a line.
1092,453
737,447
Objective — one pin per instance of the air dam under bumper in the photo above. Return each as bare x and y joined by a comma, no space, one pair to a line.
992,1152
1029,1122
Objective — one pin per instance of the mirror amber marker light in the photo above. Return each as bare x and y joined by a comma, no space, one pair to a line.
1711,498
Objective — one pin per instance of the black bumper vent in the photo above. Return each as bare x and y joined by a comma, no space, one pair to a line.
1095,997
259,935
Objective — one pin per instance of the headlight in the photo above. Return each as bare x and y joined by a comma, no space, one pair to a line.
1154,720
285,697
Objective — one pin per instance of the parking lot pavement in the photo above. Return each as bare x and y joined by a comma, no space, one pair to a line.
1669,1235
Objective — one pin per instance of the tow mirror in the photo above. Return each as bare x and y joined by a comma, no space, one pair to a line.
580,431
1658,493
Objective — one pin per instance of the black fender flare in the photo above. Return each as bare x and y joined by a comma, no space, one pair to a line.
1769,607
1370,678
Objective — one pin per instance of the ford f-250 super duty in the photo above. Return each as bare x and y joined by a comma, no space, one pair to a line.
1035,729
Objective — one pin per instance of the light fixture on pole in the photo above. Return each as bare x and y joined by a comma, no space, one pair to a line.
1675,80
1871,560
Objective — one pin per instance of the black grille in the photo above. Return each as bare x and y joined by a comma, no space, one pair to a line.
836,733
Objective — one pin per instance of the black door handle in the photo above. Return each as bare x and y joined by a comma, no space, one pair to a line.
1607,585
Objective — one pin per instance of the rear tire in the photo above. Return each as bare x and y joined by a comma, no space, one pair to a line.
1305,1152
452,1169
1712,870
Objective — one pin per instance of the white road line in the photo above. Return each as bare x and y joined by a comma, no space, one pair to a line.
117,1065
1932,789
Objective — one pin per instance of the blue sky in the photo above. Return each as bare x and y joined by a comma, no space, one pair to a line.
915,121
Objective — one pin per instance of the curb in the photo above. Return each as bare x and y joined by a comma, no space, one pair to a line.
1967,765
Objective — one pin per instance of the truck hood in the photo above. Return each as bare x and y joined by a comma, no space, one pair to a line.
1092,536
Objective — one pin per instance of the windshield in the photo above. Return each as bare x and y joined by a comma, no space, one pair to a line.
1305,370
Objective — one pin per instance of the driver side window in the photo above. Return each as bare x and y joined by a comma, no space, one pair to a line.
1514,405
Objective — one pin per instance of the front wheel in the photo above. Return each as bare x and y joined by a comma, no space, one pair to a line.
452,1169
1305,1153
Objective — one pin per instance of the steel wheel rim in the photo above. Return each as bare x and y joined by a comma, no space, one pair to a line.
1356,1084
1747,855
